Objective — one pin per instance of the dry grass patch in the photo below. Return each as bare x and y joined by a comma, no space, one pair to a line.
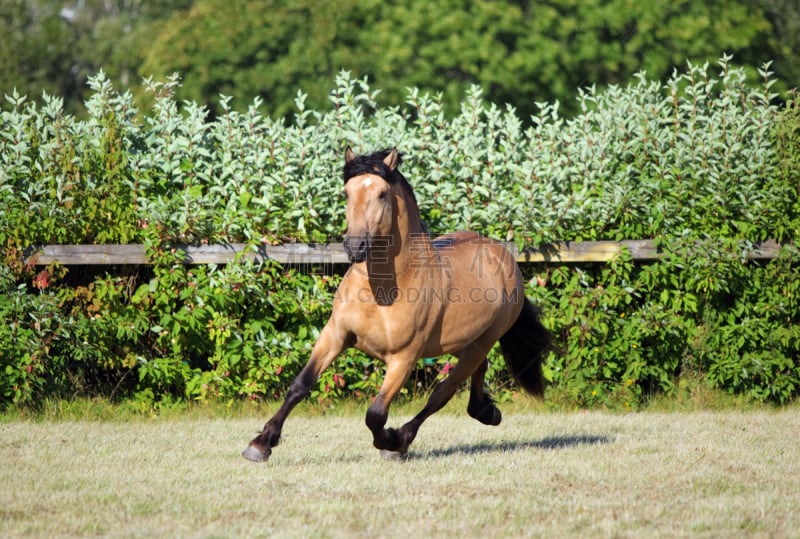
702,474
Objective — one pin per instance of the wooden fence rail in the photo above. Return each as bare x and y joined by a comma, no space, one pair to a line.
333,253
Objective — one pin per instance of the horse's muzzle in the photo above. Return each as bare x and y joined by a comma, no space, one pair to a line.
356,248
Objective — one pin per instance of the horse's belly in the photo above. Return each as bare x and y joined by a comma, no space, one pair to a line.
460,327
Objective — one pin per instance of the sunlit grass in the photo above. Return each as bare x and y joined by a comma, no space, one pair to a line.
691,395
581,474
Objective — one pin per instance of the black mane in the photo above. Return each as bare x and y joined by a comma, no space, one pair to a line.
373,164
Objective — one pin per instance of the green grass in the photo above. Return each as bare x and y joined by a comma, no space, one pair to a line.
541,473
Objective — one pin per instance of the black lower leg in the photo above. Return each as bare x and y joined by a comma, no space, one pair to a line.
482,408
383,438
438,399
271,433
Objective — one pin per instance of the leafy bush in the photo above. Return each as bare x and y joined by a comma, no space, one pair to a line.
645,161
704,165
632,331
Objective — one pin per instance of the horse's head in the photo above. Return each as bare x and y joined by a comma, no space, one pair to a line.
369,182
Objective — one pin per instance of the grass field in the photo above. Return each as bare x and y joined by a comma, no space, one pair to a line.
555,474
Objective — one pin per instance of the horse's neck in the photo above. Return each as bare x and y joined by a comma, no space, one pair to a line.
414,246
410,249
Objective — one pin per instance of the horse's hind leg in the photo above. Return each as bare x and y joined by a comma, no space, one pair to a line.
469,359
481,406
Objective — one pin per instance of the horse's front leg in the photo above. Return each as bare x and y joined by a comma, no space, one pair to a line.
328,346
398,368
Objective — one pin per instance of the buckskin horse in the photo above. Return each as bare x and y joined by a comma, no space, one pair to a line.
407,297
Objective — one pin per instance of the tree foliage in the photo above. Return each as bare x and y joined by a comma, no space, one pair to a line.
53,46
518,52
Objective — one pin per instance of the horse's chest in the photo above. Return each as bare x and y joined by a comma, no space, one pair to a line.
383,331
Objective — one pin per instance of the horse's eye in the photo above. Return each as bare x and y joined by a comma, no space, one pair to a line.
382,195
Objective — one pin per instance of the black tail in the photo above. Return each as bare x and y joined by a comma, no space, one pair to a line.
524,347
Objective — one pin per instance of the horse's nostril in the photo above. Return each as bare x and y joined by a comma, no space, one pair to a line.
356,247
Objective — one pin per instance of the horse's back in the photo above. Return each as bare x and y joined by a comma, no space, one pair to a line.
447,242
474,260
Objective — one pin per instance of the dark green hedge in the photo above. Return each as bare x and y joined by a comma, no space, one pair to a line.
703,164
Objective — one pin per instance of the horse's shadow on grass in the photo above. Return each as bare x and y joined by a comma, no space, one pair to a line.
549,443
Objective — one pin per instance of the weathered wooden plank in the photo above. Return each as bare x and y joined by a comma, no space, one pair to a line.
765,250
301,253
74,255
589,251
333,253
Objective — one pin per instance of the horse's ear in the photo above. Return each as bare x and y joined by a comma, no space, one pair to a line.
349,155
391,159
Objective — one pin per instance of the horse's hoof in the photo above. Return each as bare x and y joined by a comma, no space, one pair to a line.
392,455
254,454
488,415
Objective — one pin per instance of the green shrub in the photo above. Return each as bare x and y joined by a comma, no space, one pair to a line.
629,332
704,165
646,161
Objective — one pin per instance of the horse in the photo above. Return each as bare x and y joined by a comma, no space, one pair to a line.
405,297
